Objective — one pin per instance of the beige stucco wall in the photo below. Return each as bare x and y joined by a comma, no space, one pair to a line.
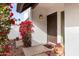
40,26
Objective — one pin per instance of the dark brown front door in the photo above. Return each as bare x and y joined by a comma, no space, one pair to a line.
52,27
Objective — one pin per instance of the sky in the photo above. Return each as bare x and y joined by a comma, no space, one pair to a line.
16,14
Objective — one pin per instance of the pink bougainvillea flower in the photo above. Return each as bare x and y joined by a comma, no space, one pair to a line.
25,27
11,6
11,14
12,21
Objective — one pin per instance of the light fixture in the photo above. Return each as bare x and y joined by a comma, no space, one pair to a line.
40,16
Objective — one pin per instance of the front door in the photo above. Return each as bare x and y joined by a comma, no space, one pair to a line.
52,27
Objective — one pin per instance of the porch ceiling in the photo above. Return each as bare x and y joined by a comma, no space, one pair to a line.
51,5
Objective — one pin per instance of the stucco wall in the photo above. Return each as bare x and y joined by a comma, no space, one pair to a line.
72,29
40,26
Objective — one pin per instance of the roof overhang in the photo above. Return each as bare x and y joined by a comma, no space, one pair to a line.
23,6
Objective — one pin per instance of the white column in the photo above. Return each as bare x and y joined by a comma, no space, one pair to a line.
59,27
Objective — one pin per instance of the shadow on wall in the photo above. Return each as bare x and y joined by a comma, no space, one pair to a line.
38,36
41,25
